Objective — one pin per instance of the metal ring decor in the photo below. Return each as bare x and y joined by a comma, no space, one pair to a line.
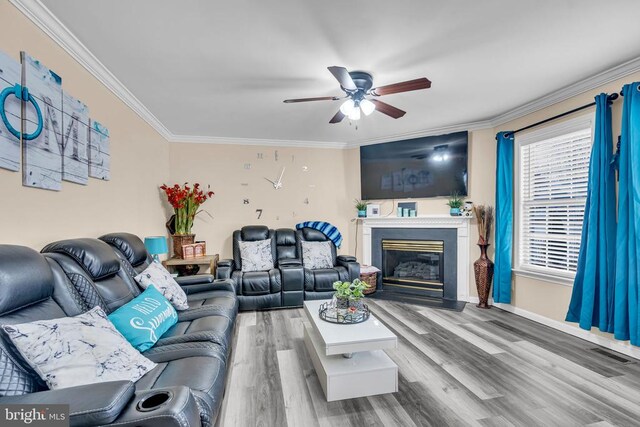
23,94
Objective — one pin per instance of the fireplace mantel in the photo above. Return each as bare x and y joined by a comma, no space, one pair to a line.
461,224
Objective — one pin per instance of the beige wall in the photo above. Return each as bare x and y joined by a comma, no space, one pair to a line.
551,300
327,183
139,160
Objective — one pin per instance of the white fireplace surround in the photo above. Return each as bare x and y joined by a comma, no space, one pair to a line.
461,224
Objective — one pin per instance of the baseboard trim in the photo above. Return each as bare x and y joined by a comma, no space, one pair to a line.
623,347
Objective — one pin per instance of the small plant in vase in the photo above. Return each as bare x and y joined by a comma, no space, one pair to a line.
342,294
483,267
357,294
455,202
361,207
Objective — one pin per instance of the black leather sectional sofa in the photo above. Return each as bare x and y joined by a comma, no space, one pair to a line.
290,282
70,277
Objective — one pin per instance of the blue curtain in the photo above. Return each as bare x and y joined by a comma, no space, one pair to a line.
592,297
504,218
626,319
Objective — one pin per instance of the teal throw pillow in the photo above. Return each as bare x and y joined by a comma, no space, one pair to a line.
144,319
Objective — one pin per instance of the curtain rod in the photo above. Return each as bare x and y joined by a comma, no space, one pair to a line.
610,98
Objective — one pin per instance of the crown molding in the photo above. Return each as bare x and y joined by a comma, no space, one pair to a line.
44,19
255,141
568,92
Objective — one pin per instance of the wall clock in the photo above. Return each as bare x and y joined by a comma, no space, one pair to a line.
277,184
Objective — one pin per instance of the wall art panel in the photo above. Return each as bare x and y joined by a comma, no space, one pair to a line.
42,156
10,75
99,153
76,137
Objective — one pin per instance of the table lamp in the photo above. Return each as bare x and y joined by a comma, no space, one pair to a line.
156,245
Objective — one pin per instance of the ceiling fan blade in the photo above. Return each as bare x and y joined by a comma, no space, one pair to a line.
337,118
319,98
417,84
342,75
387,109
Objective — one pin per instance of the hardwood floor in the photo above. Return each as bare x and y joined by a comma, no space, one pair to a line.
476,367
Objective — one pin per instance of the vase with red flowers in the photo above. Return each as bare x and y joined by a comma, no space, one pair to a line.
186,201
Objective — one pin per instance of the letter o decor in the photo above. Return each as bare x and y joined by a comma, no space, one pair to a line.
23,94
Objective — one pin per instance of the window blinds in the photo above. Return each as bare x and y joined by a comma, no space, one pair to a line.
553,184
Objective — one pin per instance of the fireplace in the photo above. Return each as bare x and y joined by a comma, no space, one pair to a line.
413,264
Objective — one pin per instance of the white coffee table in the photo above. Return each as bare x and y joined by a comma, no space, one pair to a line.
349,359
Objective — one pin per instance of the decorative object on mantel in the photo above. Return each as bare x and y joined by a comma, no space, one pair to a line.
186,202
373,210
455,203
407,209
361,207
467,209
483,267
369,275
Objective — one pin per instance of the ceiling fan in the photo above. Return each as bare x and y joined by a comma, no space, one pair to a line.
358,85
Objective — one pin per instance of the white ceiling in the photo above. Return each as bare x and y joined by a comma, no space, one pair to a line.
222,69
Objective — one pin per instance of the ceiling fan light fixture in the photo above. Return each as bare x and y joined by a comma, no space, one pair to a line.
347,107
367,106
354,114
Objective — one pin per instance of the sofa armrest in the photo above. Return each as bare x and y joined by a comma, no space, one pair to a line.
352,266
224,269
89,405
292,262
196,279
346,258
163,407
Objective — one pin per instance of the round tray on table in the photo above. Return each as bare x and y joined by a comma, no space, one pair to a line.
329,313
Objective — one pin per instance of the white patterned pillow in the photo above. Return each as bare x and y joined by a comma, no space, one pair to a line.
317,255
159,277
256,256
78,350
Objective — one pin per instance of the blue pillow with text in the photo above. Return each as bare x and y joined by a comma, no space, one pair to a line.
143,320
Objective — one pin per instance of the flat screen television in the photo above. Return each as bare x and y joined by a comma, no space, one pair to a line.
432,166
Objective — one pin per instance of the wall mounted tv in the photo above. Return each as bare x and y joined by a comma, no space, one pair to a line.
432,166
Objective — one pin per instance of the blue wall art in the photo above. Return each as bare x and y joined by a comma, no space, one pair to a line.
10,73
59,140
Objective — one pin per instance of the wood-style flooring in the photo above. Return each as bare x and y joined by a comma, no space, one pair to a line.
476,367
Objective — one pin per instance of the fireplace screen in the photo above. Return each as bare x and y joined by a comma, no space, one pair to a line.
413,264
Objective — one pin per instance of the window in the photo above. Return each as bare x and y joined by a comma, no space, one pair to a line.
553,178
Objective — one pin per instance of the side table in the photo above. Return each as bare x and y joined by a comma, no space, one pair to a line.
210,262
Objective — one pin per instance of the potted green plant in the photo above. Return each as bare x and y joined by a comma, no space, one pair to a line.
342,294
361,207
357,293
455,202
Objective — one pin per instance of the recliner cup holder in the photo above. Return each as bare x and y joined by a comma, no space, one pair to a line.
154,401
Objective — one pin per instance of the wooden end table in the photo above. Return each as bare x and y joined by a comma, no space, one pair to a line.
209,261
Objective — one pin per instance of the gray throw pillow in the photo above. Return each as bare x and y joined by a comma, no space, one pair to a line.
317,255
256,256
160,277
78,350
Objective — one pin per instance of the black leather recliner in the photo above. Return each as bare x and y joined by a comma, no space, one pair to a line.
318,283
192,374
280,286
